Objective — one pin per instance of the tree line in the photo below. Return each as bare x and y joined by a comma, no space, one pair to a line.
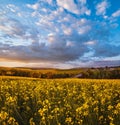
94,73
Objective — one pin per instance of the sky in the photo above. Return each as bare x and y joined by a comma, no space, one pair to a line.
59,33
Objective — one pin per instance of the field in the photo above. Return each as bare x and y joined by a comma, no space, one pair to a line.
25,101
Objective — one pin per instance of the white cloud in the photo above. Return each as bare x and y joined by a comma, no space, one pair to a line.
88,12
80,8
51,37
12,8
101,8
82,22
12,27
69,44
93,42
105,17
66,30
84,29
68,5
49,1
33,6
116,14
84,10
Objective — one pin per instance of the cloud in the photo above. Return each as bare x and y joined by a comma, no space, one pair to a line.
104,63
106,50
12,8
83,7
66,30
49,1
59,50
101,8
14,30
66,38
33,6
90,42
84,29
11,27
68,5
46,32
116,14
72,7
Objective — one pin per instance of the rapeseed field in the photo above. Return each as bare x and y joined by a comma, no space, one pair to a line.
59,102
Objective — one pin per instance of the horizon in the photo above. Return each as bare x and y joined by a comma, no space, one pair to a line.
61,34
50,68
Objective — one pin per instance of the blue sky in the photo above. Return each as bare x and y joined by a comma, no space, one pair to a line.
59,33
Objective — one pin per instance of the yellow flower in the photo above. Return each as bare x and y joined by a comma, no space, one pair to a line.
100,118
110,118
112,124
96,109
115,112
12,121
85,113
110,107
118,106
31,121
3,115
68,120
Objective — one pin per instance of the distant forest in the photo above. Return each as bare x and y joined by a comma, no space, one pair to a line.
94,73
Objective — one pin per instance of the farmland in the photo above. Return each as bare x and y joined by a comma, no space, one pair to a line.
26,101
